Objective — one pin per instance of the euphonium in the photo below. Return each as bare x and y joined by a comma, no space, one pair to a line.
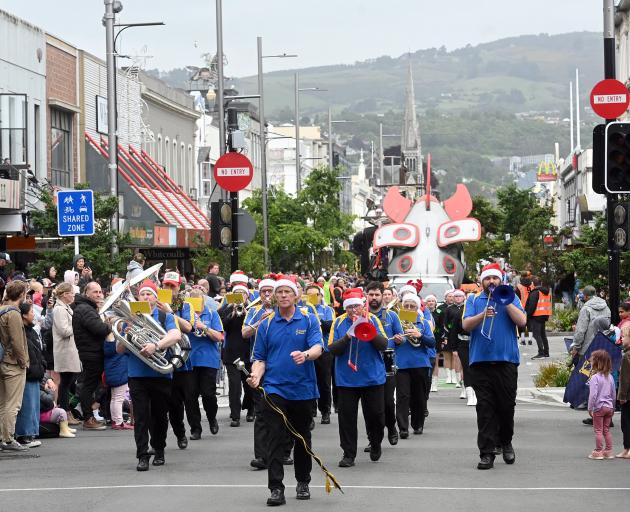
413,341
135,331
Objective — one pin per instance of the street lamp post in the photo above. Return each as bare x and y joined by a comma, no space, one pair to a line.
298,178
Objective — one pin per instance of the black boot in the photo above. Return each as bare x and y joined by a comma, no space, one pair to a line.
143,463
158,459
486,461
392,436
182,442
302,491
276,498
508,454
258,463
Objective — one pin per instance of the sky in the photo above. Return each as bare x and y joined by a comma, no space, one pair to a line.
320,32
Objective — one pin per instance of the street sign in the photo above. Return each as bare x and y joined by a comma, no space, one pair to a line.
233,171
610,99
246,227
75,212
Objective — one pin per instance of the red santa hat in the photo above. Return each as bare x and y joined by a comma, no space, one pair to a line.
240,288
148,286
267,282
491,269
238,276
459,293
352,297
412,298
288,281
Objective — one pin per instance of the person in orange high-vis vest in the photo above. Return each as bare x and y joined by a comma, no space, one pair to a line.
539,308
523,289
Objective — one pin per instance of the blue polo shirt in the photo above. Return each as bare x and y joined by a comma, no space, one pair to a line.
325,313
276,338
408,356
502,345
391,325
135,367
369,361
253,315
205,351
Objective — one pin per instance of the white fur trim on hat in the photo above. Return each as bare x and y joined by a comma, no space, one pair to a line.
352,301
413,298
266,283
448,291
407,289
238,277
430,297
459,292
286,282
147,289
240,288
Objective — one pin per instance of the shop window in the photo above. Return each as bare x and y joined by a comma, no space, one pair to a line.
61,148
13,129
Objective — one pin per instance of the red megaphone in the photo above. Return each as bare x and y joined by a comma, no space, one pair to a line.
365,332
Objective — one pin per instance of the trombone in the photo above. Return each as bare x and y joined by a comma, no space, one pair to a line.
501,295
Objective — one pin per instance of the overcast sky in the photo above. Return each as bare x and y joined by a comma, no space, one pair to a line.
319,31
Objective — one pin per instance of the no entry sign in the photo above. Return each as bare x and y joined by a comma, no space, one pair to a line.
610,99
233,172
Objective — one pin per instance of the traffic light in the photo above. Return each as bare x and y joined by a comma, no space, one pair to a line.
617,155
599,159
221,225
621,226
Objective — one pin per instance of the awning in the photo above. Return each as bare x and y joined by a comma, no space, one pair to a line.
158,190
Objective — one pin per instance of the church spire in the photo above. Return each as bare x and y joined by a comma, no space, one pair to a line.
410,145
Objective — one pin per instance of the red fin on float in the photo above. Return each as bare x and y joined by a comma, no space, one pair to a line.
395,205
459,205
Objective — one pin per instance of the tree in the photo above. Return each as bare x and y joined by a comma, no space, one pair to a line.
95,248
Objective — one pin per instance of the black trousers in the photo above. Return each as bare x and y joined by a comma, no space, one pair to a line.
67,381
237,381
298,412
150,397
260,430
204,384
463,353
429,377
495,387
411,396
323,370
390,404
625,425
90,381
373,406
182,397
540,334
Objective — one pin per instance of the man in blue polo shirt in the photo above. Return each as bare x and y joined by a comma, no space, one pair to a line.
493,365
286,345
150,390
360,375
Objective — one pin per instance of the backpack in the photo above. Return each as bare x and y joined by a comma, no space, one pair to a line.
10,308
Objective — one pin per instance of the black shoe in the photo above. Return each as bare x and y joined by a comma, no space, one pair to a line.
539,356
302,491
404,434
143,463
392,436
426,413
325,418
234,423
312,424
194,436
368,448
546,354
250,417
276,498
498,450
287,461
346,462
214,427
158,458
529,342
587,421
182,443
375,453
418,431
258,463
486,462
508,454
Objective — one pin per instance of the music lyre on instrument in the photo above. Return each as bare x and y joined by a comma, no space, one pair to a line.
501,295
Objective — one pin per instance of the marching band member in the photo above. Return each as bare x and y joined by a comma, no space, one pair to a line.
360,375
150,390
440,336
494,360
236,346
182,394
255,316
323,364
413,364
287,343
393,330
205,357
449,349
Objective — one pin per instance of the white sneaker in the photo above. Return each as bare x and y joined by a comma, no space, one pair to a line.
463,394
34,443
98,416
458,384
472,397
434,385
14,446
449,378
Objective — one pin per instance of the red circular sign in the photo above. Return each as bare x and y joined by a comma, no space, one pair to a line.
610,99
233,172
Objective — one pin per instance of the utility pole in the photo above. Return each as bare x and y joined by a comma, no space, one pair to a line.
219,98
263,153
613,250
298,177
380,152
330,140
112,138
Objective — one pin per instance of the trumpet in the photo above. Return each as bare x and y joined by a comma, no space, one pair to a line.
501,295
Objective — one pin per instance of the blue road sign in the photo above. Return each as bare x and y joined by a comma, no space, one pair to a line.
75,212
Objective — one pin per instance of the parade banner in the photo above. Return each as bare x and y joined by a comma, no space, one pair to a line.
576,392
